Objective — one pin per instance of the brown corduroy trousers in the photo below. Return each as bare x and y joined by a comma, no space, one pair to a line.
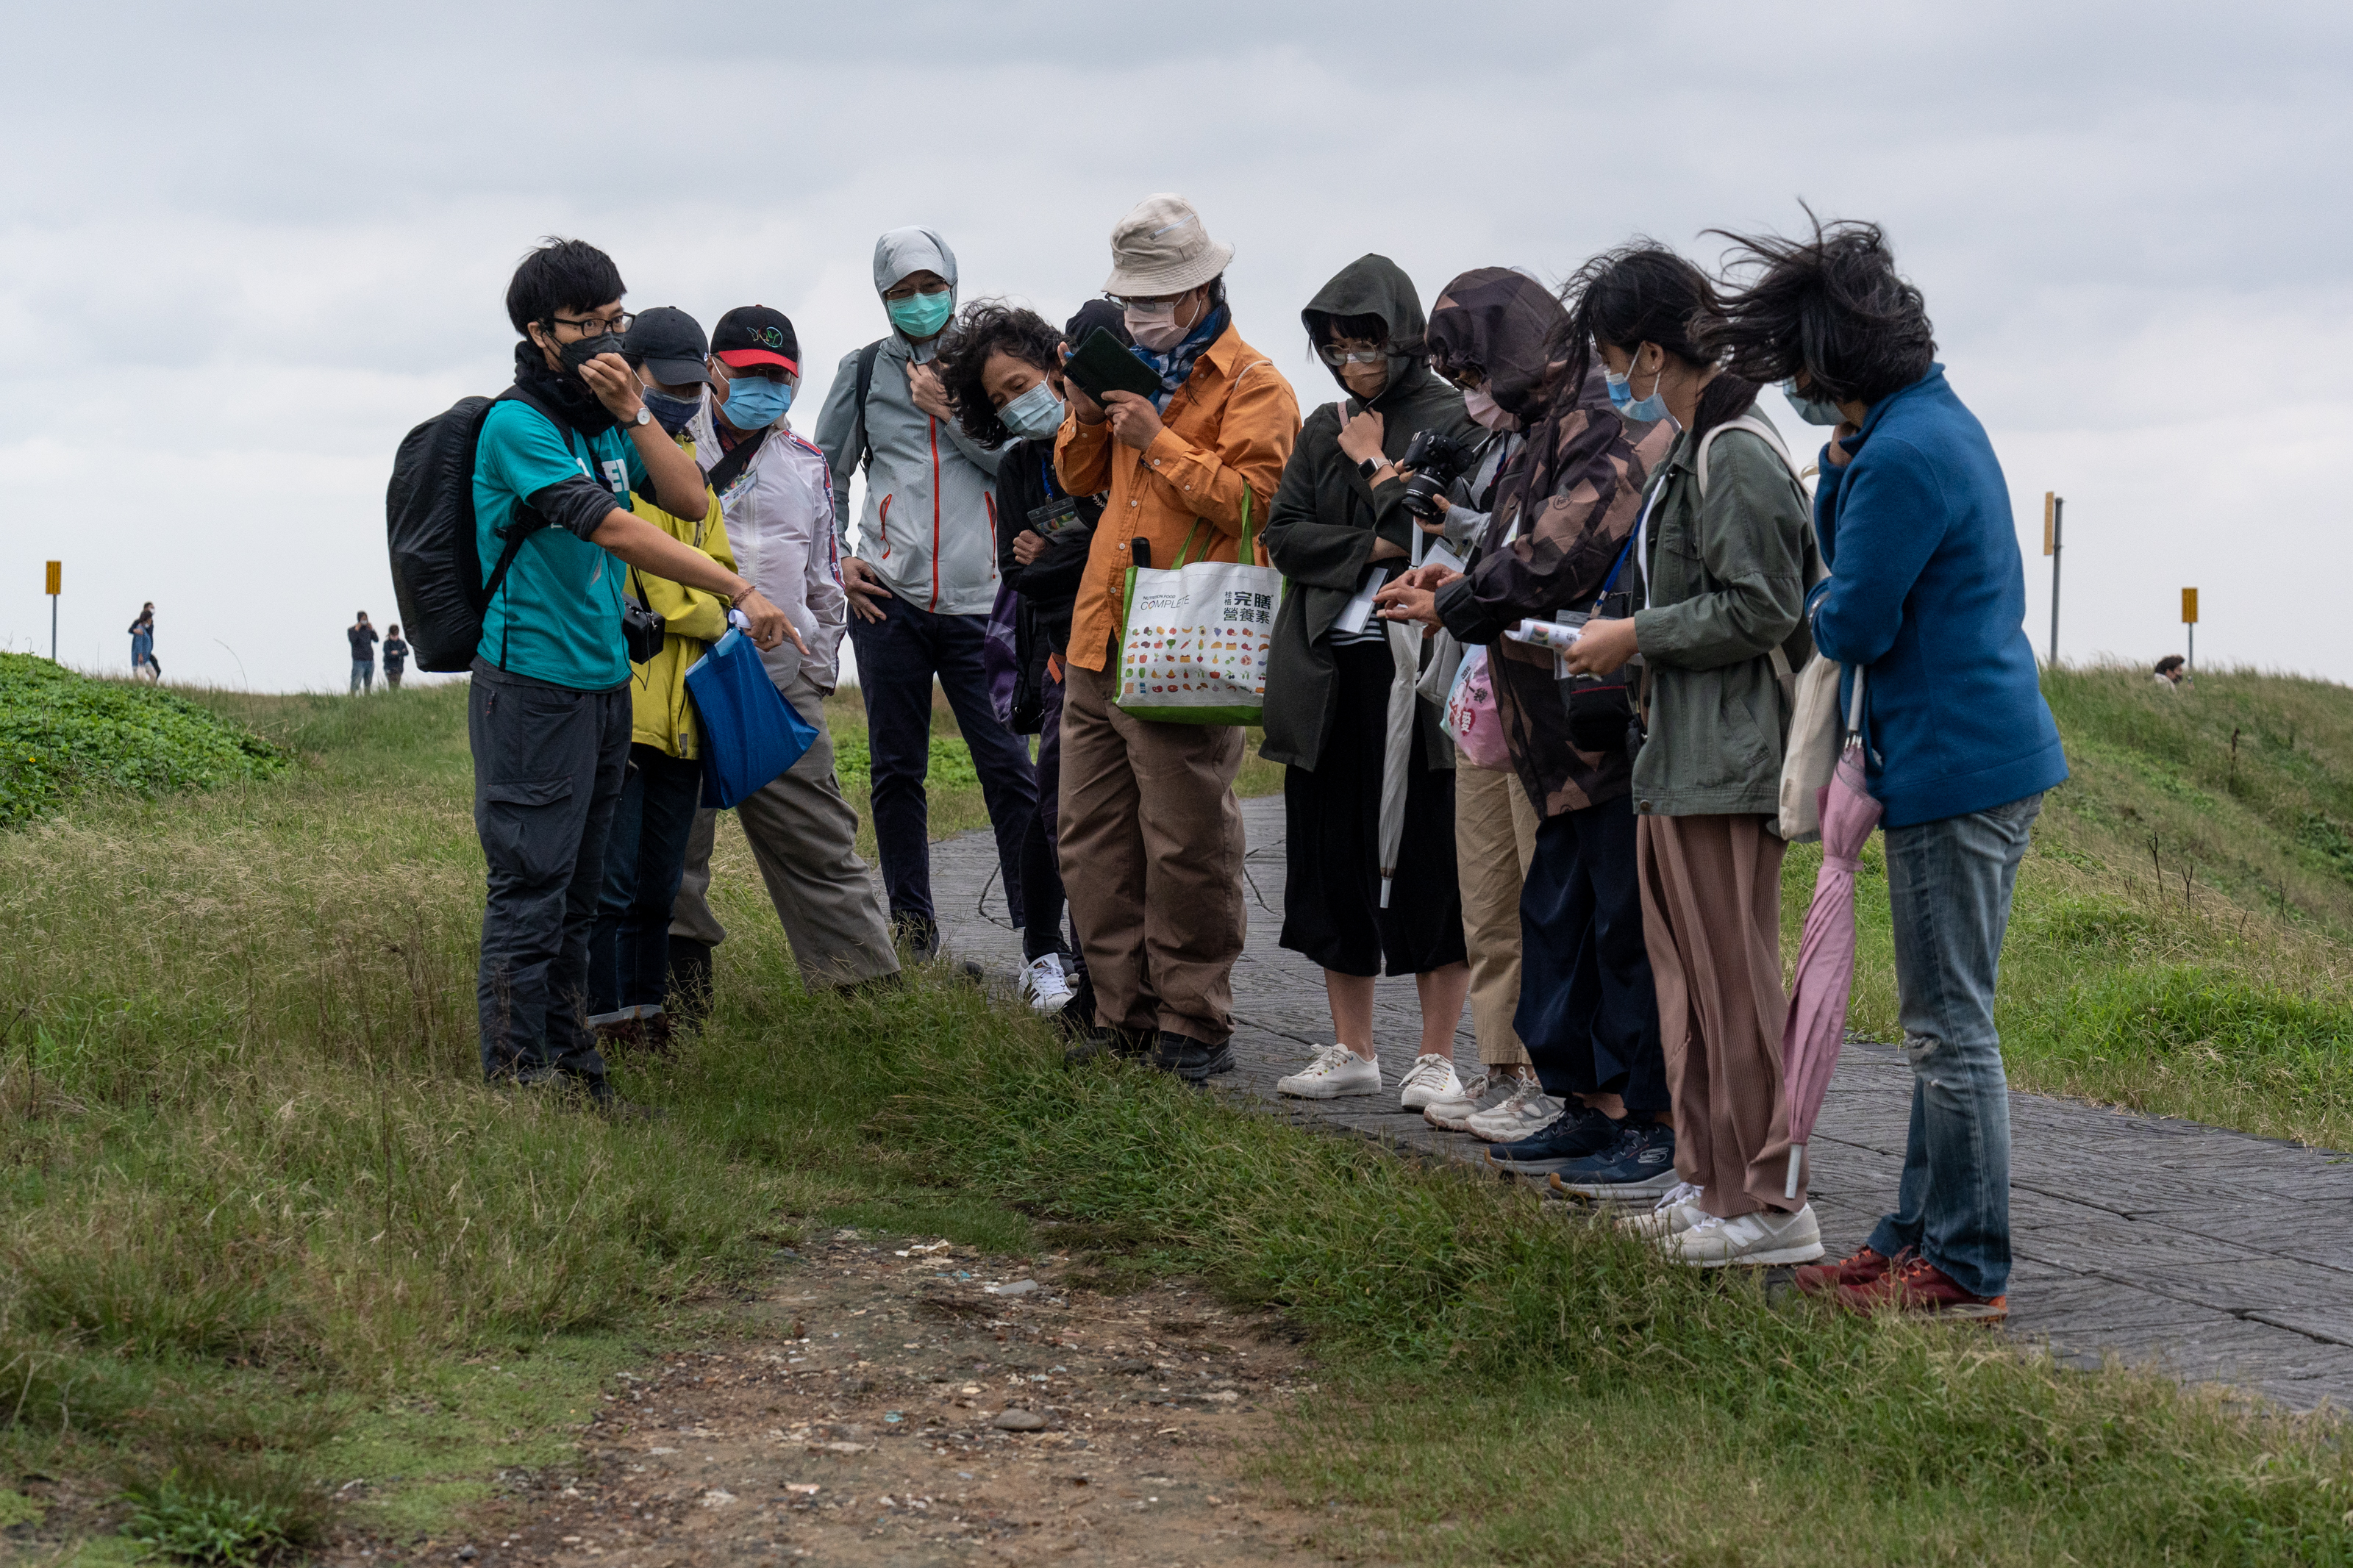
1711,919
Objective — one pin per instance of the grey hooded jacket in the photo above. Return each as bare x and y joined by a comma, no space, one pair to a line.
929,522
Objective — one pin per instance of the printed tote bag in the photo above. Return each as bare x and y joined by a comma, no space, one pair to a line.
1194,638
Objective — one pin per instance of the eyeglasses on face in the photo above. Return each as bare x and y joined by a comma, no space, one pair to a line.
1138,305
1333,354
594,326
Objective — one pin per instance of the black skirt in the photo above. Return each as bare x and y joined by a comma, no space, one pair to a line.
1332,817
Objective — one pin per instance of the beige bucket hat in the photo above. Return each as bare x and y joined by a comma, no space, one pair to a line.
1160,247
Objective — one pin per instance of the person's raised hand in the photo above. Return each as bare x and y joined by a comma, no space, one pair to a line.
924,387
769,625
1836,451
1133,419
1401,601
1429,579
1601,648
1360,438
1089,412
1027,545
615,386
865,589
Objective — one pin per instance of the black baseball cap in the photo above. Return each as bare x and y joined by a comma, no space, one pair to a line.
1097,313
669,342
755,334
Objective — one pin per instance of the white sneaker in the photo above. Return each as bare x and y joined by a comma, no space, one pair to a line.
1756,1240
1432,1078
1337,1071
1452,1114
1045,984
1675,1214
1528,1111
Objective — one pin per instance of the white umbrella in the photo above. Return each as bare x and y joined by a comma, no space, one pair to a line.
1405,648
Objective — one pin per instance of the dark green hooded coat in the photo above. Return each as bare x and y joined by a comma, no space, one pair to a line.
1325,516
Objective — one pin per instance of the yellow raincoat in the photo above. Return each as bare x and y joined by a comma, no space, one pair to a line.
660,714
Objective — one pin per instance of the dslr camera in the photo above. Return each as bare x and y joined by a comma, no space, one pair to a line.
1437,462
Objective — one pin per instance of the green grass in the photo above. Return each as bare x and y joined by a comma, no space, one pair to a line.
265,1234
62,734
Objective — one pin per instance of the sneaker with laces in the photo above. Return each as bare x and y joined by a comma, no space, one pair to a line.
1860,1268
1675,1214
1753,1240
1045,984
1452,1114
1581,1132
1432,1077
1639,1168
1336,1071
1921,1289
1524,1112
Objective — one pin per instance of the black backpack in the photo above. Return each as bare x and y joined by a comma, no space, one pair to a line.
437,571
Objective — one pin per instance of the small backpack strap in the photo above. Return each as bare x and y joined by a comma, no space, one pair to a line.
1754,427
865,383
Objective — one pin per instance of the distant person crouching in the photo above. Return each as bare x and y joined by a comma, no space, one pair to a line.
2172,670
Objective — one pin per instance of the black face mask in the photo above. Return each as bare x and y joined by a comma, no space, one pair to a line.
580,351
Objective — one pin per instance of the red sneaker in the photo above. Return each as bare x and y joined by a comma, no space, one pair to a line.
1865,1266
1919,1286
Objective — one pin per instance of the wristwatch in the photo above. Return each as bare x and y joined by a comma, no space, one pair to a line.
644,416
1369,467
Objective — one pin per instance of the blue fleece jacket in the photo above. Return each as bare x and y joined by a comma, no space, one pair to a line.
1926,588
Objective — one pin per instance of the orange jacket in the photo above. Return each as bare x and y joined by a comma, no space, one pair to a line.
1232,424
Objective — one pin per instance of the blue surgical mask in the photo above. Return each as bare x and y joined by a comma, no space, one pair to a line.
1035,414
1639,410
675,413
754,403
1812,410
922,316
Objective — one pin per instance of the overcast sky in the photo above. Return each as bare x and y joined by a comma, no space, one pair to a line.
247,247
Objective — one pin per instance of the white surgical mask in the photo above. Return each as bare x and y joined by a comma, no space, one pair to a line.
1154,324
1035,414
1488,412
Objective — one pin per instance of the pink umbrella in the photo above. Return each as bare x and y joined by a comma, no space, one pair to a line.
1816,1024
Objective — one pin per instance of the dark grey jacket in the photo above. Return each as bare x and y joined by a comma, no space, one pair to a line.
1727,586
1326,518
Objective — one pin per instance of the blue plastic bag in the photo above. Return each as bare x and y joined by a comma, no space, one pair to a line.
750,734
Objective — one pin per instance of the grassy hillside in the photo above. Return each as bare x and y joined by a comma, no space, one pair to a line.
2220,990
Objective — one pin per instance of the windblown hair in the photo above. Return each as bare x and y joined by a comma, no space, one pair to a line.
561,274
1638,293
983,328
1833,307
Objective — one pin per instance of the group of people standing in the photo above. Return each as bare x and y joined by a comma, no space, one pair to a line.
1606,899
363,639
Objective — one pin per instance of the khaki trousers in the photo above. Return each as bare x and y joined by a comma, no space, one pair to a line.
1151,850
1494,838
1712,919
804,836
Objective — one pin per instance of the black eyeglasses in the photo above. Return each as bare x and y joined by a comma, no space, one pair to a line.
590,327
1333,354
1468,377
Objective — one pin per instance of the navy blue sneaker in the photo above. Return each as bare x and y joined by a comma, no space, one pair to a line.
1577,1136
1639,1168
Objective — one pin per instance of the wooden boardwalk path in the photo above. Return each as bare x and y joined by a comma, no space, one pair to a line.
2215,1255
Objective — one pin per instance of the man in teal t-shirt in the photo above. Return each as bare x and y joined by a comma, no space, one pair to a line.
548,716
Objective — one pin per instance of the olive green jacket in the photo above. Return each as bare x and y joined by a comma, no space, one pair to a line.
1725,581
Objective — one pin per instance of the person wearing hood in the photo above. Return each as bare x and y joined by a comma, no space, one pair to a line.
1151,835
1338,530
921,576
1564,519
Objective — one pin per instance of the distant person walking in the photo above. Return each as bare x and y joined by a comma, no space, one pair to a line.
142,643
396,657
363,641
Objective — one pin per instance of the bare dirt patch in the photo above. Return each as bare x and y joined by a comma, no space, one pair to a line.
920,1403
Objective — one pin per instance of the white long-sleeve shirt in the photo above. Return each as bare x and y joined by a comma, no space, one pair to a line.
779,515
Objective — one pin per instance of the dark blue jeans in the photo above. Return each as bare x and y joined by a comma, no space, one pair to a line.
1587,1013
645,854
898,659
1948,886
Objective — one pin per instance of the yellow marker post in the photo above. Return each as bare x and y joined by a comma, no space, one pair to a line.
2189,619
2054,506
55,585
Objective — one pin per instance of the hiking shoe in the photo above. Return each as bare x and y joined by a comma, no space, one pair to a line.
1452,1113
1432,1078
1524,1112
1639,1168
1188,1059
1753,1240
1863,1266
1676,1213
1045,984
1920,1287
1336,1071
1130,1045
1580,1134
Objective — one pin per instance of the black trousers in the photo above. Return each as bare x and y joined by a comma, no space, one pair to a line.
1332,815
1587,1013
548,765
